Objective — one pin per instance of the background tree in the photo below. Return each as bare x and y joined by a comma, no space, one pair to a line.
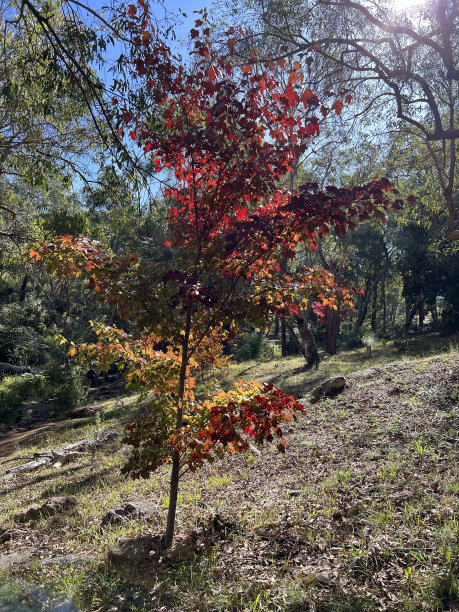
382,54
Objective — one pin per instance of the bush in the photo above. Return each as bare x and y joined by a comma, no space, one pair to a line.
14,390
351,338
22,326
246,347
67,386
251,346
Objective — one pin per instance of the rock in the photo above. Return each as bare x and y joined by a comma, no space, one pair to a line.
52,506
322,580
106,436
133,550
131,509
15,560
365,374
11,534
85,411
330,387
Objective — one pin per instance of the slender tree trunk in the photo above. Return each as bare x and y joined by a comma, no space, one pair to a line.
331,330
276,326
22,292
410,311
434,312
283,270
384,306
374,309
175,473
421,313
283,339
296,340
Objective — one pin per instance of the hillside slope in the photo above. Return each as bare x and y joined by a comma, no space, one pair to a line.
362,513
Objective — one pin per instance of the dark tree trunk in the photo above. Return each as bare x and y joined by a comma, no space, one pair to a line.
331,330
296,340
175,472
22,292
421,314
363,302
276,326
283,339
434,312
410,311
384,307
374,310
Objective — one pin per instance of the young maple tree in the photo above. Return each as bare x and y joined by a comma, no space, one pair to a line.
227,135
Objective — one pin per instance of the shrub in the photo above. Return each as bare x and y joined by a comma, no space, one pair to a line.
67,386
251,346
351,338
247,347
14,390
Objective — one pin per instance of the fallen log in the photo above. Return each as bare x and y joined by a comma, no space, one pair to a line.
65,454
12,369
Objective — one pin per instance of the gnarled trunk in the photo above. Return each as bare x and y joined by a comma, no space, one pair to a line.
308,346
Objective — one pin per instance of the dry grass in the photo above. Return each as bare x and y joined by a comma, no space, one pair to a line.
362,513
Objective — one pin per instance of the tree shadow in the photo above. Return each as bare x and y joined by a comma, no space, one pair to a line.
39,479
74,488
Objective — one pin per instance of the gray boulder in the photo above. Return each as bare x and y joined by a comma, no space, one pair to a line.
330,387
130,509
134,550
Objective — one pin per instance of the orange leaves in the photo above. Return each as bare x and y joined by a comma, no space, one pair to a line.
293,77
68,256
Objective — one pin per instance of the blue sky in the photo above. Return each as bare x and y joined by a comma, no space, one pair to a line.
171,8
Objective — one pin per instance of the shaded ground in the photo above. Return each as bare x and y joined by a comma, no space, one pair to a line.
362,513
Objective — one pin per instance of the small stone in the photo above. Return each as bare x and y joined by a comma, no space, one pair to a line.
322,580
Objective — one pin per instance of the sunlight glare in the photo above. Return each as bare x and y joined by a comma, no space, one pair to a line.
401,5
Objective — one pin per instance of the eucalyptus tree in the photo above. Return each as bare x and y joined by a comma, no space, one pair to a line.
399,62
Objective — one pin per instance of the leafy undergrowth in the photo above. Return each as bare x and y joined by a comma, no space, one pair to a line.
362,513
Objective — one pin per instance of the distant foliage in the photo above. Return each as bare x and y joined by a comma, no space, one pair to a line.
15,390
